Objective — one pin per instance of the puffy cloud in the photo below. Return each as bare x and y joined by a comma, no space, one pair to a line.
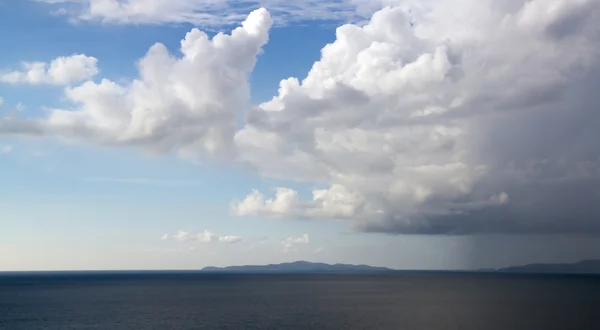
187,105
335,202
290,242
458,118
201,237
207,13
63,70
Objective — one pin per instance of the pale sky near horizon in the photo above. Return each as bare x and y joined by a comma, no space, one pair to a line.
178,134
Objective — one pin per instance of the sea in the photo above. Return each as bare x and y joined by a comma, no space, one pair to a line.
193,300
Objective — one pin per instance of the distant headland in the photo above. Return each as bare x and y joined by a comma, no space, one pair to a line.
581,267
299,267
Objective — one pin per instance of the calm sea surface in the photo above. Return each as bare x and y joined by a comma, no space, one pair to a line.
211,301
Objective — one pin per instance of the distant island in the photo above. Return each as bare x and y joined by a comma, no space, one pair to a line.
581,267
299,267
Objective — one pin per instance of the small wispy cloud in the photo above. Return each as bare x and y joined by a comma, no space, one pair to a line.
211,13
5,149
145,181
229,239
39,153
289,242
200,237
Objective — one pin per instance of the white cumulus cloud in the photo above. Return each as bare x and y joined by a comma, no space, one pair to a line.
64,70
335,202
464,117
187,104
200,237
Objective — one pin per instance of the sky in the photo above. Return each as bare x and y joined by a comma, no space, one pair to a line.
178,134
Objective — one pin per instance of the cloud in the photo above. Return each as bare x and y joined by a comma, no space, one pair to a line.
64,70
39,153
20,106
290,242
209,14
201,237
465,117
229,239
453,117
187,105
1,101
5,149
144,181
327,203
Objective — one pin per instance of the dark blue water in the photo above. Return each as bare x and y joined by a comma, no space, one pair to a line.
205,301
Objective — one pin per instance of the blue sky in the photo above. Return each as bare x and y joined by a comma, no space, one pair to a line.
68,201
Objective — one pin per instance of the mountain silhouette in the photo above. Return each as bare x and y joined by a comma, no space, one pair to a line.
299,266
581,267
